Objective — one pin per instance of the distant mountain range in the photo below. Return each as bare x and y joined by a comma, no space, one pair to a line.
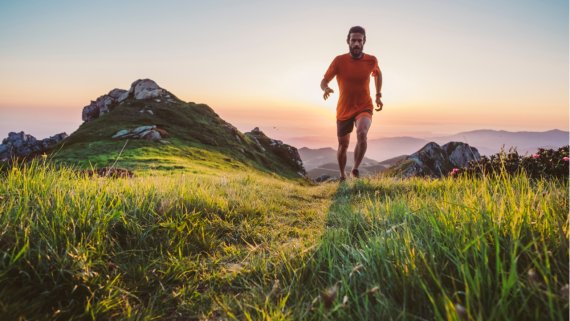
488,142
384,152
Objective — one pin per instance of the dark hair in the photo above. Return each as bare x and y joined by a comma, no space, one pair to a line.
356,29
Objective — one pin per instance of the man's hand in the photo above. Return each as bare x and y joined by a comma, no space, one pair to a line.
327,93
378,103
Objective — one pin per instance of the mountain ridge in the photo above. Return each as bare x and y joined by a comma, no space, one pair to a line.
147,127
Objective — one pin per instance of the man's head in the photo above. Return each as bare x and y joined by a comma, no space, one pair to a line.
355,40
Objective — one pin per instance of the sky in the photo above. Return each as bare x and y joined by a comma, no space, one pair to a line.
448,66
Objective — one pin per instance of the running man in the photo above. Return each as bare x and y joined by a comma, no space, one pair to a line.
354,107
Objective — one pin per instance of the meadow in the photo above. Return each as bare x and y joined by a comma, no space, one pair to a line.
247,245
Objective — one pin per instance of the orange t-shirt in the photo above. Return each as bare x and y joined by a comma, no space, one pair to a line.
353,77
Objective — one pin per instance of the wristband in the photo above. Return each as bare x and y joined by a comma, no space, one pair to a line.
379,95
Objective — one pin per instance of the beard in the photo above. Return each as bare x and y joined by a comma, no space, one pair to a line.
355,52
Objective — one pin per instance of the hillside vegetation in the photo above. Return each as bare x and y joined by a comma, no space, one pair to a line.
247,245
198,141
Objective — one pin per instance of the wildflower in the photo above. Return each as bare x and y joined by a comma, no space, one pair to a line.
454,171
533,277
565,158
535,156
356,269
345,301
372,293
328,296
461,311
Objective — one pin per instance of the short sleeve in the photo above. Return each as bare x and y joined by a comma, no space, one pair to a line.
376,68
332,71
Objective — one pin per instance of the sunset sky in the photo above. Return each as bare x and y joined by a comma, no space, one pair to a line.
448,66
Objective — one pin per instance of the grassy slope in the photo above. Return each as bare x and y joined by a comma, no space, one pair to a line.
252,246
199,140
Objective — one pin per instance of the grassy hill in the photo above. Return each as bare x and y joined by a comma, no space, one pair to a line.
252,246
198,141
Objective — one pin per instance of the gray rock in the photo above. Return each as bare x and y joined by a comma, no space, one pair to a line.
460,154
142,129
287,153
103,104
152,135
116,93
436,161
148,132
121,133
119,94
18,145
145,89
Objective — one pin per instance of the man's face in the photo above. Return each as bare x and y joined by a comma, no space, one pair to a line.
356,44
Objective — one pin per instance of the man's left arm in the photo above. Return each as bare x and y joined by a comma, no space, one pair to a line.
378,85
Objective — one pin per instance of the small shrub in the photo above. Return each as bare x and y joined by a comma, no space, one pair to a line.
545,163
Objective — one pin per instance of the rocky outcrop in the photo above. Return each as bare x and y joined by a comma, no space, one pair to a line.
437,161
148,132
103,104
286,152
140,89
19,145
460,154
146,89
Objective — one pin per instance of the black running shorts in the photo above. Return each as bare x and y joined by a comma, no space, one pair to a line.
344,127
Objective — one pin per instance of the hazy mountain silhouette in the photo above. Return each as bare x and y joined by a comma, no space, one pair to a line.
387,151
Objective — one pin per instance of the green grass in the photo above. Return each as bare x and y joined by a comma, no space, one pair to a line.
198,141
243,244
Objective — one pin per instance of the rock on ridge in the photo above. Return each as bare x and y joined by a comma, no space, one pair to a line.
103,104
140,89
18,145
437,161
148,132
286,152
146,89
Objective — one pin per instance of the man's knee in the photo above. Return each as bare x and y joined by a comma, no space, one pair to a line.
362,135
343,143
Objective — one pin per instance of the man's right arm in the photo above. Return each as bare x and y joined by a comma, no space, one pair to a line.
329,75
325,87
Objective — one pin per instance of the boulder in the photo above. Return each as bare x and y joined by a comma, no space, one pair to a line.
148,132
289,154
436,161
140,89
121,133
146,89
460,154
119,94
20,145
103,104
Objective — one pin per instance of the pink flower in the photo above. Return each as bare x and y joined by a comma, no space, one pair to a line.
454,171
535,156
566,158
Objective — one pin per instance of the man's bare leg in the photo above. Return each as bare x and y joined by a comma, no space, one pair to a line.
343,142
362,127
